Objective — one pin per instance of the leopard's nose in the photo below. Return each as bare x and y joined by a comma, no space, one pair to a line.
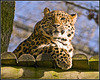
55,25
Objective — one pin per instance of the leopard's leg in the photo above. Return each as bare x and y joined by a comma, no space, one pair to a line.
61,57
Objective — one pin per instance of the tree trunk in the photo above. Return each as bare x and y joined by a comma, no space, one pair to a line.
7,16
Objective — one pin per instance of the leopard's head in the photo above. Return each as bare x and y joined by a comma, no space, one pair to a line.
58,24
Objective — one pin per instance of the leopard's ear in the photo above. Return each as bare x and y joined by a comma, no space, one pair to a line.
46,11
74,17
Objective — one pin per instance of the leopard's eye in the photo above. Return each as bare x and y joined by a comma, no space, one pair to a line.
62,18
50,18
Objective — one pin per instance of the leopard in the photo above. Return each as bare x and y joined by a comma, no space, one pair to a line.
52,35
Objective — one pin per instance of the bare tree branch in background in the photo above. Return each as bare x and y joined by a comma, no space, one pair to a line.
22,26
72,3
91,14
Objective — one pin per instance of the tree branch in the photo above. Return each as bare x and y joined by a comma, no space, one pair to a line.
81,6
22,26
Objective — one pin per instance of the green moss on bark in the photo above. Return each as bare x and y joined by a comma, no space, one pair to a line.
7,16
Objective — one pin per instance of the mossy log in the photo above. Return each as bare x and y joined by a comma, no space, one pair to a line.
8,72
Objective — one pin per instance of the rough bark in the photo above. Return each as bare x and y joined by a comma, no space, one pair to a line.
7,16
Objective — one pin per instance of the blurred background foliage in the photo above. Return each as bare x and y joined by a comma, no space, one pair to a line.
28,13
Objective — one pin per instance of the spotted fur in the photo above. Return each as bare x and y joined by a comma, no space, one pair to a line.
52,35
